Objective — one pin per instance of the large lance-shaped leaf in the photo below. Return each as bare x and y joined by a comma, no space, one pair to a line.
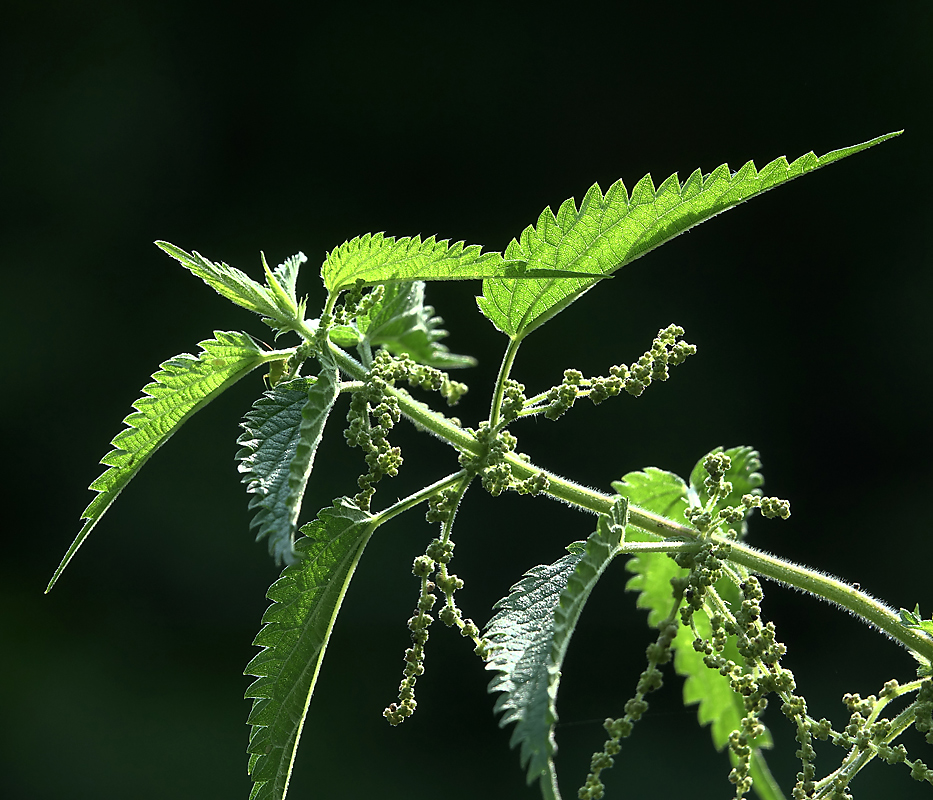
375,258
656,490
297,627
607,232
283,431
182,386
533,628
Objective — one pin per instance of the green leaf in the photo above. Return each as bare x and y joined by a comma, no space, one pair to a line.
228,281
276,303
404,325
608,231
282,433
654,490
286,274
182,386
915,621
297,627
532,628
665,493
743,475
375,258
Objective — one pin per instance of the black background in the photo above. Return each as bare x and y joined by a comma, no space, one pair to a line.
283,127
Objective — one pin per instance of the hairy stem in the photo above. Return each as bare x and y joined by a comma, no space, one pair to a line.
421,496
829,588
504,369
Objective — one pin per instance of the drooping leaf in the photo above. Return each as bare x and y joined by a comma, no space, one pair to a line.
376,258
277,307
743,475
404,325
182,386
719,706
274,463
296,629
532,628
608,231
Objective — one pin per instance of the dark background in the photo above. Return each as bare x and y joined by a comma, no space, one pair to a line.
282,127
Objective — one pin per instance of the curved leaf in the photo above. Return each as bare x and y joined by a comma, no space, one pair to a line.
404,325
182,386
532,630
276,466
608,231
297,627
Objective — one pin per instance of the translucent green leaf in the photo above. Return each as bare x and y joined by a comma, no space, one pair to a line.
654,490
743,475
297,627
282,433
404,325
608,231
182,386
286,274
276,303
915,621
375,258
228,281
665,493
532,628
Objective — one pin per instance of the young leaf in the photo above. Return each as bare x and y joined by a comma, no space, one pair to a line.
657,491
743,475
607,232
228,281
286,274
915,621
376,258
277,304
282,432
404,325
297,627
532,628
182,386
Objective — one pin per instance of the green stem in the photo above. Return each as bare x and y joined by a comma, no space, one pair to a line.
665,546
815,583
832,590
504,369
419,413
465,481
419,497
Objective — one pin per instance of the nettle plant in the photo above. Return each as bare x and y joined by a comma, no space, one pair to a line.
685,540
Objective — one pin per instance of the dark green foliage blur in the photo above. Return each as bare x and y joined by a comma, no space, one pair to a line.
234,129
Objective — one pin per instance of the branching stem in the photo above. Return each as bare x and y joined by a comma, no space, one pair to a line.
420,496
827,587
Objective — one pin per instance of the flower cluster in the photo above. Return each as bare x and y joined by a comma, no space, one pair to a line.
666,350
490,465
431,569
374,412
650,680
